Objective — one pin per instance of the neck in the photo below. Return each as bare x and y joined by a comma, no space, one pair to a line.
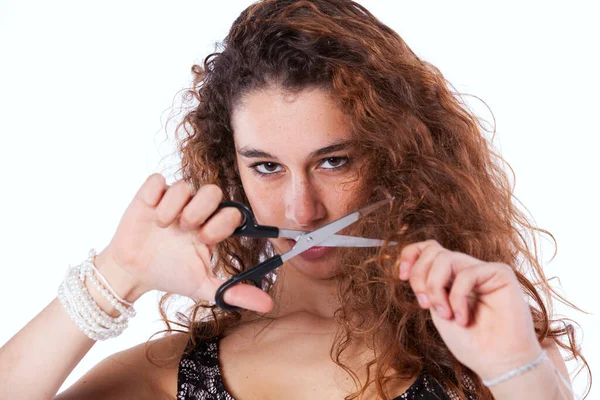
295,292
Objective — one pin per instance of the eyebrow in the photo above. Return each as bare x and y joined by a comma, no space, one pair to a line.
251,152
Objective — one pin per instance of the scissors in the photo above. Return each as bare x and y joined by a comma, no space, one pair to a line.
323,236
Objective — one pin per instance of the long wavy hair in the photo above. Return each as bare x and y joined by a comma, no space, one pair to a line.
423,147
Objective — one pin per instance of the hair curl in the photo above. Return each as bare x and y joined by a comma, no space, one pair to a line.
424,147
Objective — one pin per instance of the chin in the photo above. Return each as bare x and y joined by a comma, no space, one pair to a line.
321,268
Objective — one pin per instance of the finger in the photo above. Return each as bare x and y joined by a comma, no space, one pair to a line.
248,297
171,204
441,277
152,190
438,280
200,207
240,295
220,226
464,288
420,270
410,254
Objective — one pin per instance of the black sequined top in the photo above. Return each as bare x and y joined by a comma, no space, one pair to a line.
199,378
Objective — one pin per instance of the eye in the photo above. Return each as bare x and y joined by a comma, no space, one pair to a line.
333,162
267,168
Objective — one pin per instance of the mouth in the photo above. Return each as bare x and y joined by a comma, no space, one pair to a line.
314,253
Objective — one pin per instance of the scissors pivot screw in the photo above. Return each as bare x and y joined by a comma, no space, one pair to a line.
325,235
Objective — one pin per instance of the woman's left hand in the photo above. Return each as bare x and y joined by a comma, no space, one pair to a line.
477,307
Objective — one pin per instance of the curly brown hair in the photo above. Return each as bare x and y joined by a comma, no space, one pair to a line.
423,147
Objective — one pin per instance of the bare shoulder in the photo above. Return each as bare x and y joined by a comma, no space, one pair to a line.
148,370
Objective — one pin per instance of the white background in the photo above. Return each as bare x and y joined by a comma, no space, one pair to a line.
85,89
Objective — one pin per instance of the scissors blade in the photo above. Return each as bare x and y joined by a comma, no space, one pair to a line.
353,241
319,236
292,233
337,240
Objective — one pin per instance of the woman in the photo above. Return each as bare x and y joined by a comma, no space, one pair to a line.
312,110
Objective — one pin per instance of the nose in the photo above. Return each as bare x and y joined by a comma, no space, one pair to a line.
303,205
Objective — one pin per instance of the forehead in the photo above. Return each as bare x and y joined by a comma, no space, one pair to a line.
275,120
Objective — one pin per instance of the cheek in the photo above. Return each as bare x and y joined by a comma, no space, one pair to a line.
346,194
268,210
266,203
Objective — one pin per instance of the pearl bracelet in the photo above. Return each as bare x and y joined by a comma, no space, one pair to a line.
83,309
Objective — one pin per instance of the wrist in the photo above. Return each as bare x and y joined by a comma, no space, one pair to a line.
497,368
120,280
539,382
91,302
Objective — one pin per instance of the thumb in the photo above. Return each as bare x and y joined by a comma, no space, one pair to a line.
240,295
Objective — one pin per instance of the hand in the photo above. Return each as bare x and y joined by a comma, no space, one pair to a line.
164,242
477,307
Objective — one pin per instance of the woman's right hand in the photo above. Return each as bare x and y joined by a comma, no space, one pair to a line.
164,242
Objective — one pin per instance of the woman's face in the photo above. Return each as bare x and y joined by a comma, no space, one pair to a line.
297,165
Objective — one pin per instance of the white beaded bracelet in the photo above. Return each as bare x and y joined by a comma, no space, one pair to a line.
517,371
90,262
84,311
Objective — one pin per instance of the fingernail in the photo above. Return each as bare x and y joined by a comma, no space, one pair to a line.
441,311
458,317
423,300
403,270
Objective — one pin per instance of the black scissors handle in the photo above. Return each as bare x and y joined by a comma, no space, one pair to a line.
249,226
254,275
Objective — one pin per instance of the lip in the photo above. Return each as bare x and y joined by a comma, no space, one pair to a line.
314,253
